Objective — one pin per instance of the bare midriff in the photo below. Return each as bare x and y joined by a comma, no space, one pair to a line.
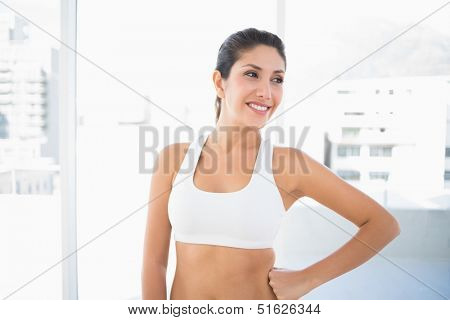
209,272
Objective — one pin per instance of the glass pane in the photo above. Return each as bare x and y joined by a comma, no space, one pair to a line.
30,214
163,55
340,77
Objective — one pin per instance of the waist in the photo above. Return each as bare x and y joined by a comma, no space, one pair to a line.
216,272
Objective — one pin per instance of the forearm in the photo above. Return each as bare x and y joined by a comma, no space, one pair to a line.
154,282
374,235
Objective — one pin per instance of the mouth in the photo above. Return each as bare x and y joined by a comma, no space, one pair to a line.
259,109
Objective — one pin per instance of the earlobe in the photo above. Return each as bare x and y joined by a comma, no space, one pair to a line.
218,83
220,93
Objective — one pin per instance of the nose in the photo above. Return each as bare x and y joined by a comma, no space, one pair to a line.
263,91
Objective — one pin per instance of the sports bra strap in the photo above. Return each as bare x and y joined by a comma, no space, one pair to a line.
190,158
265,168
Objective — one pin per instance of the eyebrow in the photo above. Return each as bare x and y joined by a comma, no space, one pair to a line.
259,68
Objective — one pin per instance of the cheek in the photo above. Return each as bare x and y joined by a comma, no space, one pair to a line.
277,95
240,84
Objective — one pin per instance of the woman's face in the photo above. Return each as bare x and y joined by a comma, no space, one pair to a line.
256,77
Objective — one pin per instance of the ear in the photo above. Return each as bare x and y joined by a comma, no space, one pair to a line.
218,83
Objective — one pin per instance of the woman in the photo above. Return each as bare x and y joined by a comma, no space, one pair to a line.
223,224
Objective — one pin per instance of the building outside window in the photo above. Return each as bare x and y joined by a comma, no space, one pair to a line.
447,175
447,152
348,151
349,174
380,151
379,175
350,132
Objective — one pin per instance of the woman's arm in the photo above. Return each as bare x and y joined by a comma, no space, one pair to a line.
377,227
158,229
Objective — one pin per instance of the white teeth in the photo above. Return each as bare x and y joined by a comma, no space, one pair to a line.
254,106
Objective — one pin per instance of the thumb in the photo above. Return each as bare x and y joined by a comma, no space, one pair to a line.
278,269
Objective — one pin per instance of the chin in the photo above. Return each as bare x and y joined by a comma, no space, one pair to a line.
258,124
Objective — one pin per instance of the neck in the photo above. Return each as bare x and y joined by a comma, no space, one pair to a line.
234,137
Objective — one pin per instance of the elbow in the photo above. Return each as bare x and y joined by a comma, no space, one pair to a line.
389,225
396,227
392,227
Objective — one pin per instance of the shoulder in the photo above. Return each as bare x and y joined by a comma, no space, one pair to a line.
165,164
289,159
174,148
295,167
294,159
172,155
170,159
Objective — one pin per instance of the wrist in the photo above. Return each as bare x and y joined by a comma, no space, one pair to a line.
310,277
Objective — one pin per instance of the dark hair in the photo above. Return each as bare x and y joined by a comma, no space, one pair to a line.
236,44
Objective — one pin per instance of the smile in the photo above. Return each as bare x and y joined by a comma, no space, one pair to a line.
258,108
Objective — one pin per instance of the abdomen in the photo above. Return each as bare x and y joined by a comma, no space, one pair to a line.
216,272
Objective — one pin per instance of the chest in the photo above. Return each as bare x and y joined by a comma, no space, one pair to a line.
224,174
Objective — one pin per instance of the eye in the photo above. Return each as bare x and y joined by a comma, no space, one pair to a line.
280,80
250,73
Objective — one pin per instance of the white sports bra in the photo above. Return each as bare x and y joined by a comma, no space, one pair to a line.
248,218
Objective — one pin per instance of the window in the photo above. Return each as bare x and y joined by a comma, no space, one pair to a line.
102,101
5,182
29,58
350,132
3,127
447,175
380,151
348,151
349,174
379,175
344,91
354,113
447,152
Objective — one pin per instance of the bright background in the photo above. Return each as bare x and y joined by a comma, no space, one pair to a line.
166,51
